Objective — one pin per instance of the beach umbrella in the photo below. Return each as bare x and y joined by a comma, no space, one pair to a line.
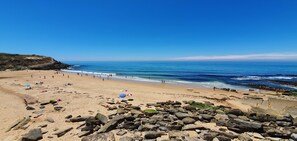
122,95
27,85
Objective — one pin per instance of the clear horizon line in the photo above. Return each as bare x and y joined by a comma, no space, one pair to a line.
246,57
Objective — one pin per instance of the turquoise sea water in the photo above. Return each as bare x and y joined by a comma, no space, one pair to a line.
208,74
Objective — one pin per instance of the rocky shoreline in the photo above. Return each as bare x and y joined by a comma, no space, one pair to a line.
170,120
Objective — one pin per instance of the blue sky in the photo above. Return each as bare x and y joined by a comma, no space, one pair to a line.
148,29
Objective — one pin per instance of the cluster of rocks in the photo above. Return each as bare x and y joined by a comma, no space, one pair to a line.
175,119
269,88
170,120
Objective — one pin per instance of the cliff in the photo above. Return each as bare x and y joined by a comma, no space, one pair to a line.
32,62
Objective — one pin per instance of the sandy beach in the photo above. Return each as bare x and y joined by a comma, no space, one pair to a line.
86,96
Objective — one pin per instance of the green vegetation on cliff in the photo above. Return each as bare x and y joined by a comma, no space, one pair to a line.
33,62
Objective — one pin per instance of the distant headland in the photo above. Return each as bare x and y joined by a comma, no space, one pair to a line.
29,62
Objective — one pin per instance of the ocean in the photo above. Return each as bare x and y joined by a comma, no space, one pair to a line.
205,74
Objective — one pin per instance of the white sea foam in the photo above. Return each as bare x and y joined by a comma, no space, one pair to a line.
265,78
136,78
248,78
88,72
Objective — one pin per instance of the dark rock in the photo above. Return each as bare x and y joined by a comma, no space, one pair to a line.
112,124
84,133
63,132
33,135
42,107
171,110
42,126
44,103
100,137
283,123
157,117
68,117
188,120
223,138
182,115
129,117
278,133
162,128
236,112
30,108
102,118
149,127
152,121
175,125
189,108
205,117
79,119
112,108
58,108
153,135
135,107
262,117
88,128
209,136
131,125
50,137
126,139
192,127
240,126
93,121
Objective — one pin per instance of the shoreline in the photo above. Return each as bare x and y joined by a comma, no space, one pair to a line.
157,81
85,95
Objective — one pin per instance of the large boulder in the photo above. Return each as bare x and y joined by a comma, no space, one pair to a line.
102,118
240,126
33,135
112,124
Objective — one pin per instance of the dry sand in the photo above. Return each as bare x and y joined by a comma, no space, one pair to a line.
85,96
